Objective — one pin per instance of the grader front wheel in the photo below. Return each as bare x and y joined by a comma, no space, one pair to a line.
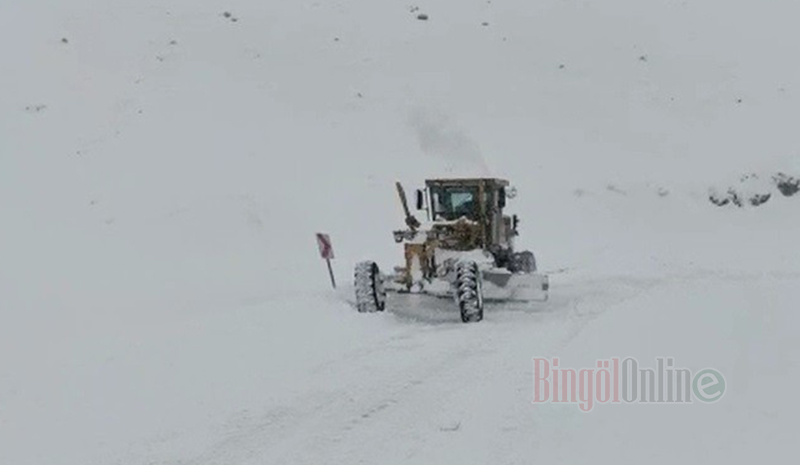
370,294
469,292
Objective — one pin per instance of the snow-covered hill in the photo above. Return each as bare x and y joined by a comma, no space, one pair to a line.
164,166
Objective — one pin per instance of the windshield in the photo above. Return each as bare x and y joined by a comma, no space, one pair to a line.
453,203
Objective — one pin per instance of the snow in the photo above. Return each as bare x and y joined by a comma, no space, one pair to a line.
163,172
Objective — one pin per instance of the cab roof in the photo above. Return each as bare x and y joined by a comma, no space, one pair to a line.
494,183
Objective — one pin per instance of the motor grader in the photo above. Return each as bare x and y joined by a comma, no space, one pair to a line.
464,249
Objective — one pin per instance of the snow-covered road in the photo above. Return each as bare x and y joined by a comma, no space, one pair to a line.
428,389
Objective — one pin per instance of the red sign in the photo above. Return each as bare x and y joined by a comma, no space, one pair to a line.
325,246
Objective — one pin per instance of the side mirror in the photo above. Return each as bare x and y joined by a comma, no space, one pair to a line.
512,192
420,200
501,198
515,221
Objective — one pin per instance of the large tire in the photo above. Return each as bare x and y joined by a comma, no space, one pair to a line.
469,292
370,294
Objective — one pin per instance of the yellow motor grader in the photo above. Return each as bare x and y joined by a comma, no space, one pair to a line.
463,249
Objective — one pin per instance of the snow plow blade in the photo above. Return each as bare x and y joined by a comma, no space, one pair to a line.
500,284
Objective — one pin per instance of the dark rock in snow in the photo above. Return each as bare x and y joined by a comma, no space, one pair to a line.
36,108
735,198
759,199
719,200
787,185
615,189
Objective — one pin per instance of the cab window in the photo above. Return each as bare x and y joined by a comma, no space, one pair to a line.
453,203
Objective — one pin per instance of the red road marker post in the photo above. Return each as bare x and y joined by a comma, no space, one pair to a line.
326,252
